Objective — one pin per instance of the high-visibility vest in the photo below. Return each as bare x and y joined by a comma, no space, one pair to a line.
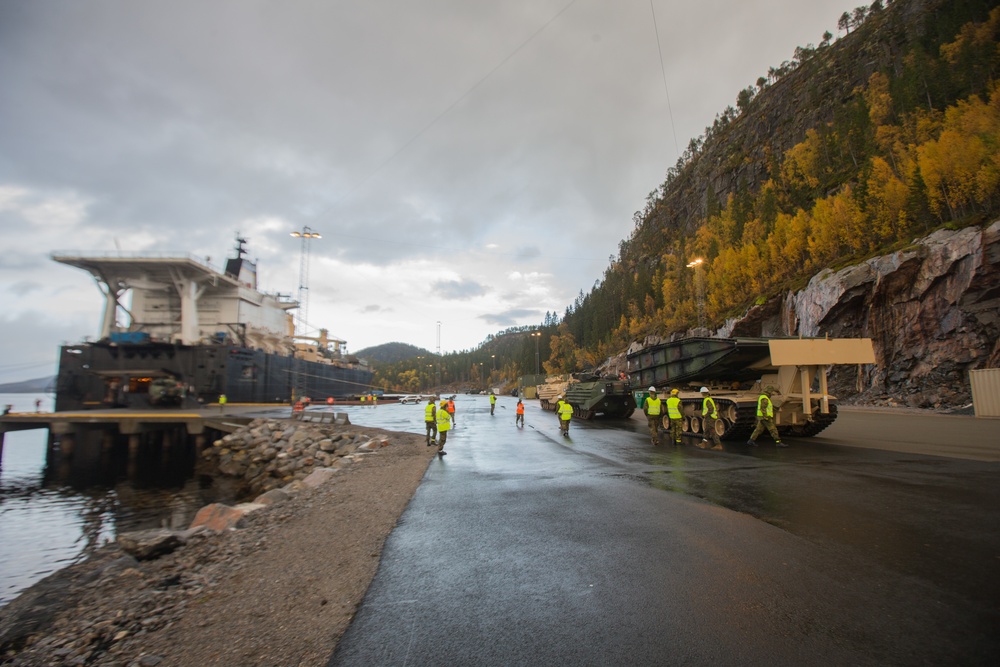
653,406
565,411
674,407
708,408
429,412
493,399
451,407
443,420
520,408
765,408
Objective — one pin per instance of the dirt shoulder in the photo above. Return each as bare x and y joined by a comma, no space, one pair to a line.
279,591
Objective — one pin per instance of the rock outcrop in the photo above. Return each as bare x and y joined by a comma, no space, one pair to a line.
932,310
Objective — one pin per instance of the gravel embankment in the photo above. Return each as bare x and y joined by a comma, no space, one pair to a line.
279,591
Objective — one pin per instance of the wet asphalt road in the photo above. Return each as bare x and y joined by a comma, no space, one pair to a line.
521,547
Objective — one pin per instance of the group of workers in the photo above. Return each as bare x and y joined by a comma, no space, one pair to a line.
653,408
439,419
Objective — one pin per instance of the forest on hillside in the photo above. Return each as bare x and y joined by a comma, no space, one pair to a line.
903,139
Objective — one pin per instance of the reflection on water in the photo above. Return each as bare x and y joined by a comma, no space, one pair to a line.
58,502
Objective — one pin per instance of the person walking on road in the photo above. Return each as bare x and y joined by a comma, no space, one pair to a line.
710,416
493,402
451,410
443,426
430,421
765,419
519,419
222,402
565,412
651,406
675,416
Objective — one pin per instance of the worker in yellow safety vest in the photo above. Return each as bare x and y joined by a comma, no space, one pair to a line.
675,416
430,421
493,402
765,419
709,416
443,426
565,412
651,406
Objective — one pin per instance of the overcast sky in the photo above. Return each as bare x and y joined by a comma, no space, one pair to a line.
473,162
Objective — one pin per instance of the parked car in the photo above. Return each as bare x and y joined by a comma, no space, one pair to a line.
410,399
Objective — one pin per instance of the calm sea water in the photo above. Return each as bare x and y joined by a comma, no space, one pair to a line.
53,511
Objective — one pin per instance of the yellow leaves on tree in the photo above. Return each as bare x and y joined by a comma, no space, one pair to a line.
562,353
803,162
961,166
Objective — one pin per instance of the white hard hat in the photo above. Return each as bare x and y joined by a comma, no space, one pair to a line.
704,390
652,388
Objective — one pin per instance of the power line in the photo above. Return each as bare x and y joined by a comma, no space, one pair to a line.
456,101
663,72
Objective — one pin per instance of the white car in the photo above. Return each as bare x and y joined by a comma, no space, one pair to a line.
410,399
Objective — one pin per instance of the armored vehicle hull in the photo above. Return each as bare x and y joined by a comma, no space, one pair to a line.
607,397
736,370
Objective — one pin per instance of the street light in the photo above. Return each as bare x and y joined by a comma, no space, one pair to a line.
494,362
536,336
699,281
306,234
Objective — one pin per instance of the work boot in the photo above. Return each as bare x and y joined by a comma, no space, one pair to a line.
703,444
751,443
442,453
780,444
717,448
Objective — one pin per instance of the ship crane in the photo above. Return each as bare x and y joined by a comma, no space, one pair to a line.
306,234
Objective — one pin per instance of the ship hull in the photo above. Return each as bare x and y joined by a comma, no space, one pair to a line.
106,375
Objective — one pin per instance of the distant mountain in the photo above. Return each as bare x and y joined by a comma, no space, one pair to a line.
390,353
43,385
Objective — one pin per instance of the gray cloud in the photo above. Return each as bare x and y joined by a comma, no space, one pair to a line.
511,317
440,138
459,289
24,287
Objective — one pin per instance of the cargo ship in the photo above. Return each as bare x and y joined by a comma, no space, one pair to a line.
173,317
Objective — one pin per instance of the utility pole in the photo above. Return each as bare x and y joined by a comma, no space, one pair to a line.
439,355
536,336
699,282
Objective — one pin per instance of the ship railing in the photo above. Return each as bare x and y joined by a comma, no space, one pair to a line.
150,254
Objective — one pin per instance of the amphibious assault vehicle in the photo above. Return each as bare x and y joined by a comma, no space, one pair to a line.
164,391
554,385
736,370
589,394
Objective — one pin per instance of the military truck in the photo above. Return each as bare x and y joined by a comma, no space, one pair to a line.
737,370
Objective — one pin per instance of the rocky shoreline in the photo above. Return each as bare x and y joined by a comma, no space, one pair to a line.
274,581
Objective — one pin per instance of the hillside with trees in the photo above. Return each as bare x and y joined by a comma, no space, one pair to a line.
852,149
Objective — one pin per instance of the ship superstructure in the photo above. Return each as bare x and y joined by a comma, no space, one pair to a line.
174,315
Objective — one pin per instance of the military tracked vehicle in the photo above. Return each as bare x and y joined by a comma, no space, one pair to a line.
554,385
166,391
737,370
600,396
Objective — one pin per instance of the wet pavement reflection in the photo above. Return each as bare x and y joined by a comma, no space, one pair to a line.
929,518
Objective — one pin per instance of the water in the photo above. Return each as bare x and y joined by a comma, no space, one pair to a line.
52,512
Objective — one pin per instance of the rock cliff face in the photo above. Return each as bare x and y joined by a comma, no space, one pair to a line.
932,310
